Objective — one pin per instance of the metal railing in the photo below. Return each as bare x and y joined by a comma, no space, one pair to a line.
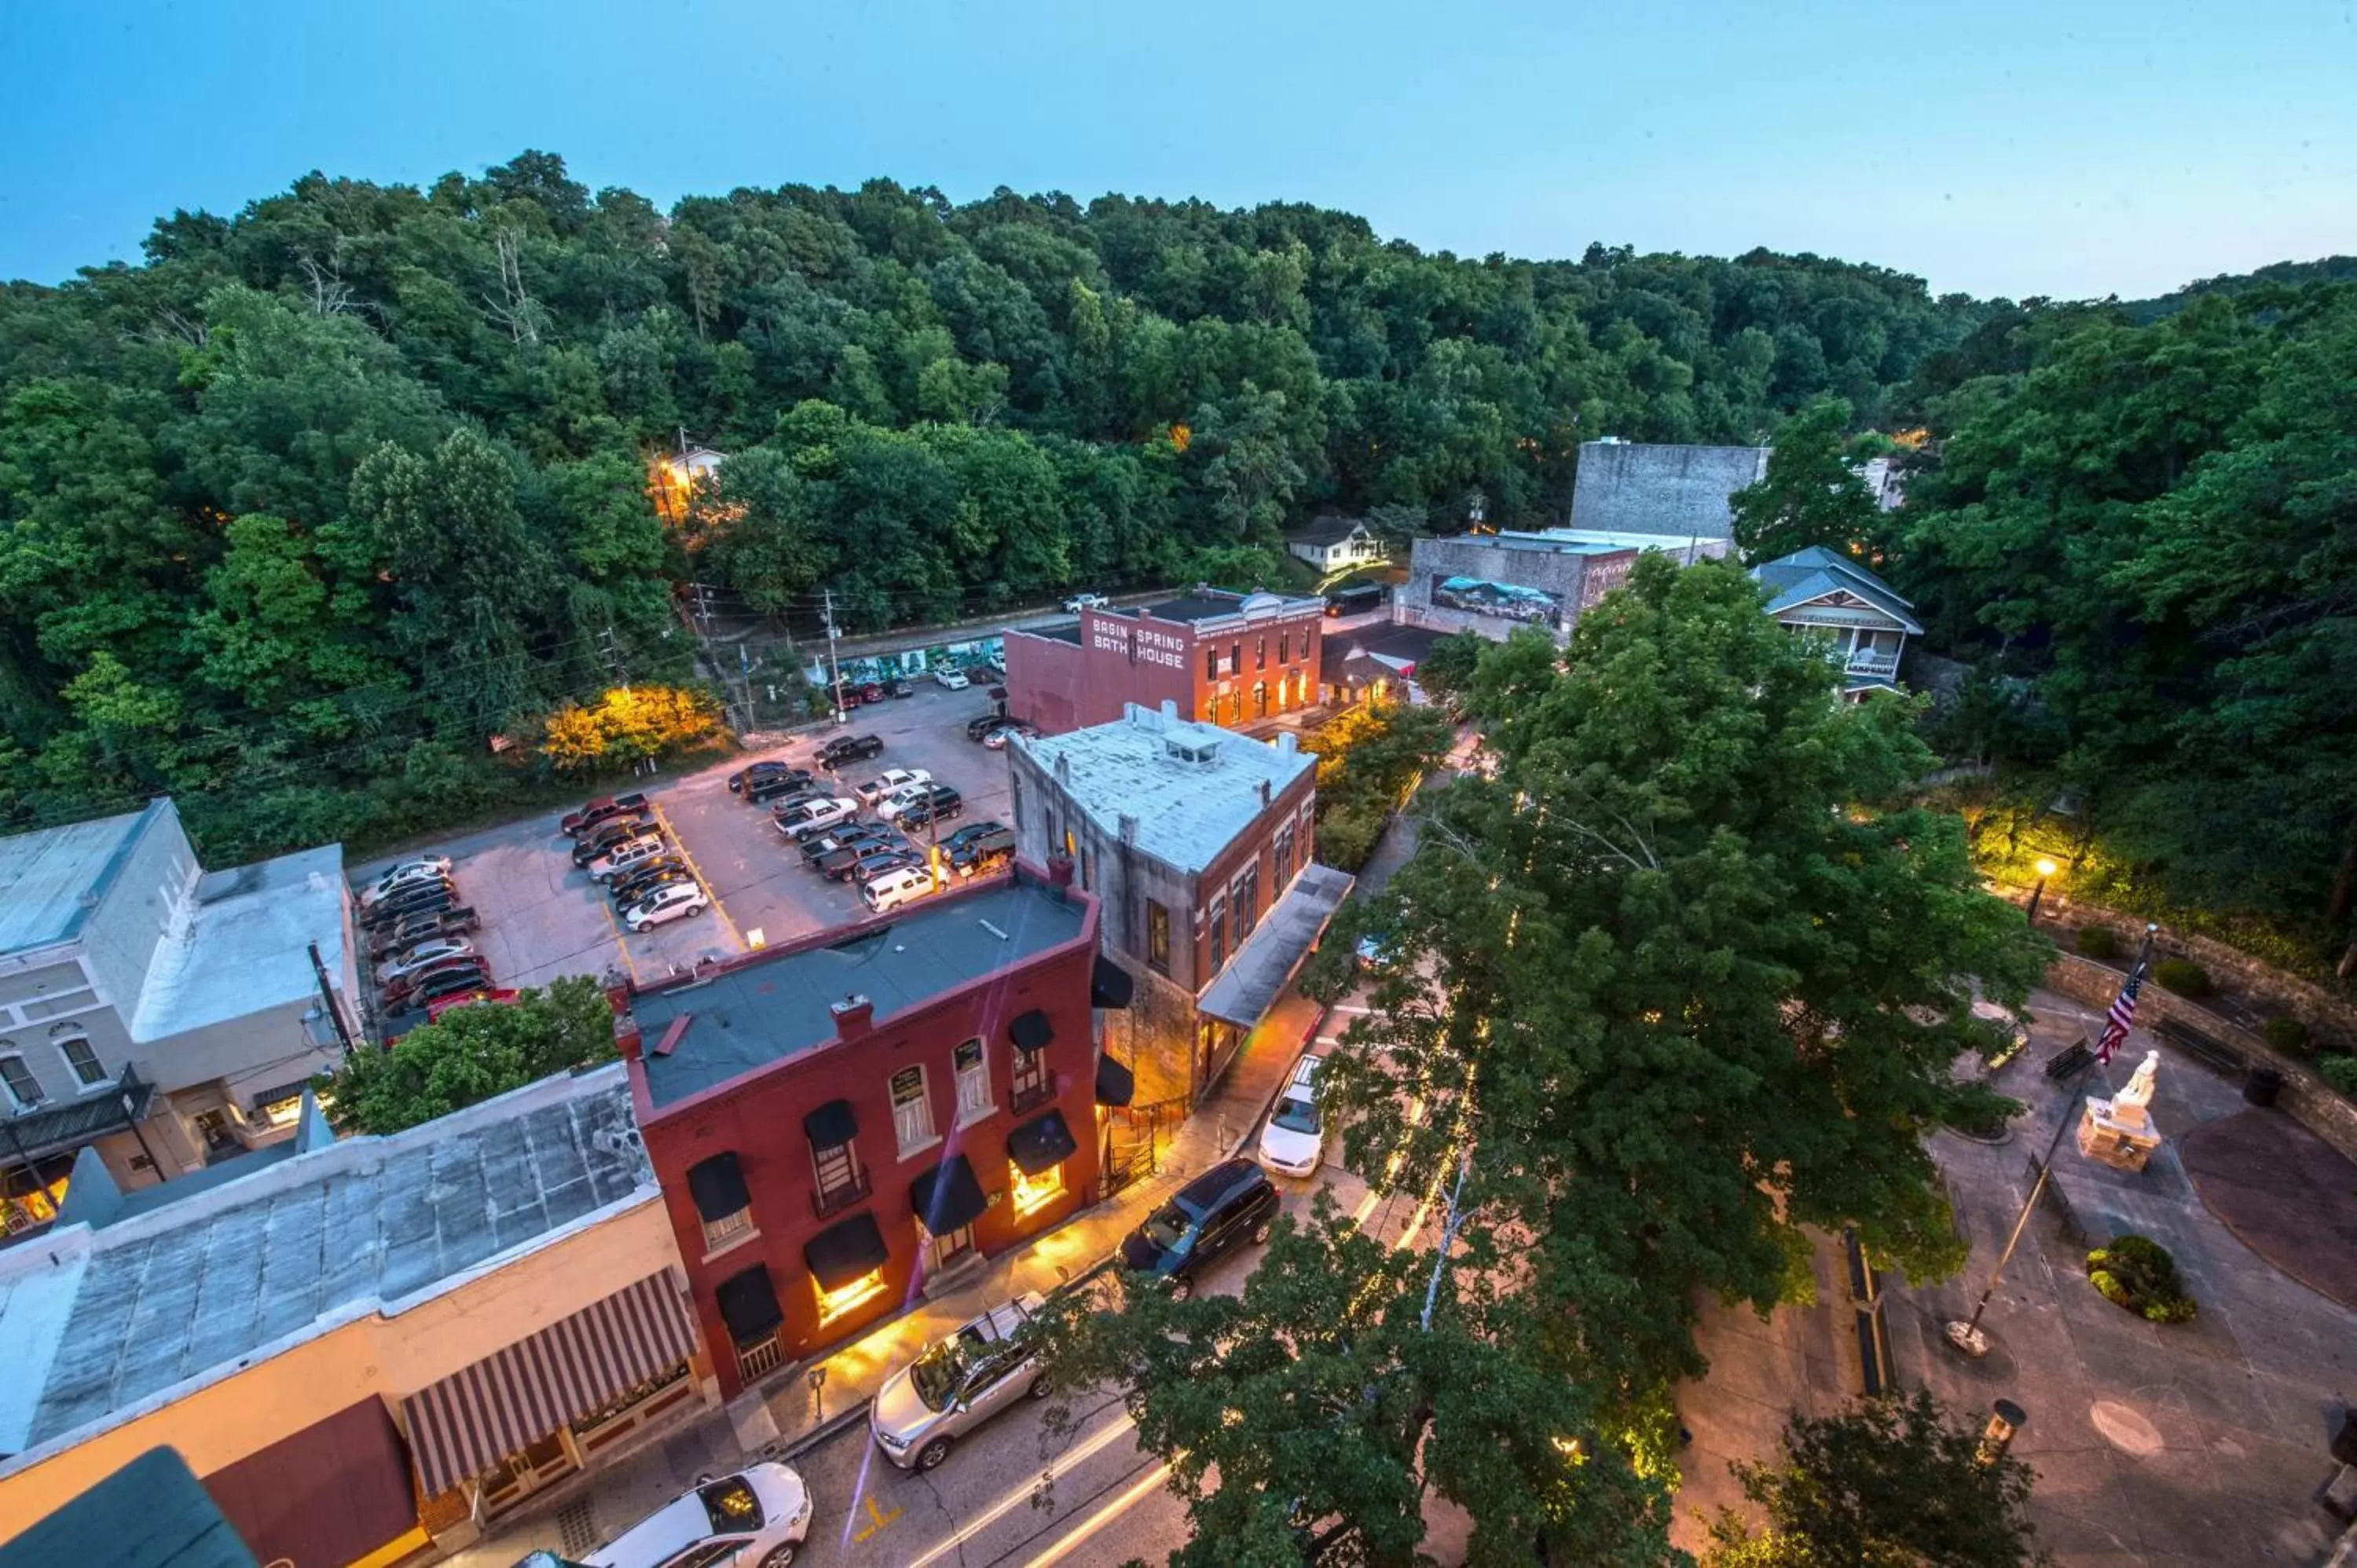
758,1359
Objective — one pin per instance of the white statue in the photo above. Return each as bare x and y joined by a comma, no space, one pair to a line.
2131,1103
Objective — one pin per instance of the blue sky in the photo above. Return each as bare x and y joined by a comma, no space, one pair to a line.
2002,147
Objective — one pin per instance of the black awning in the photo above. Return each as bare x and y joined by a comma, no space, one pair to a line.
845,1252
748,1304
1109,984
1031,1030
1115,1083
832,1126
947,1196
717,1184
1041,1143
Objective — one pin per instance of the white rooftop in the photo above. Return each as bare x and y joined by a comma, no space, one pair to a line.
1192,787
1610,538
244,945
45,878
103,1324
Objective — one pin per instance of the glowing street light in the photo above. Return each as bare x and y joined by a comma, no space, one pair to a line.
2046,868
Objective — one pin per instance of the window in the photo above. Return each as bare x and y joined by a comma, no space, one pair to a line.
1244,902
729,1227
913,1112
1281,853
1029,1192
840,1180
972,1064
1260,653
1211,663
1260,699
834,1303
1219,919
23,1087
1032,1084
1157,937
81,1057
1235,656
1285,648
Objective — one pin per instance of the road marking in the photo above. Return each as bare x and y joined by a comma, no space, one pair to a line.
1104,1516
1021,1497
606,907
879,1518
1351,1007
736,937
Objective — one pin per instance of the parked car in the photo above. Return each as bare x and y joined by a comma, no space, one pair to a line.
862,836
423,898
997,740
845,748
497,996
904,688
396,985
940,797
626,854
768,768
402,935
893,888
642,880
595,811
788,802
773,786
404,874
986,669
871,691
673,901
971,832
980,729
437,981
890,781
1227,1206
981,856
815,817
960,1381
607,834
943,805
1079,602
1294,1142
868,867
951,677
421,955
754,1518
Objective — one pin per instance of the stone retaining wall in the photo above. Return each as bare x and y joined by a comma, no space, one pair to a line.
2310,1101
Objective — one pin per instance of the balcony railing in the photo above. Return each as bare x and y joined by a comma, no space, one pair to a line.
1867,662
759,1359
830,1200
1038,1094
63,1126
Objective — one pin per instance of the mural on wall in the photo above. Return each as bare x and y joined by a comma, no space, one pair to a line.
1480,596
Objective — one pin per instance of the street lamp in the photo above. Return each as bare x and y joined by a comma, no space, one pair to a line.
2046,868
2005,1418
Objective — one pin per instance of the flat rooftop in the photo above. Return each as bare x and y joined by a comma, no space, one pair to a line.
1187,808
45,877
1209,604
99,1323
248,943
1060,631
780,1006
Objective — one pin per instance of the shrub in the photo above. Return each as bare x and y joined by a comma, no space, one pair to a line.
2287,1035
2183,976
2136,1273
2341,1073
2099,941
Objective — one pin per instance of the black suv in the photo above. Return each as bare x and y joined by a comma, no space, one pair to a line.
771,786
1219,1211
943,804
769,768
845,748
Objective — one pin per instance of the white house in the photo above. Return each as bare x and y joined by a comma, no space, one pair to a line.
1334,543
1865,624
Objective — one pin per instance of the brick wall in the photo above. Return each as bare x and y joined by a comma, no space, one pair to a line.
2330,1017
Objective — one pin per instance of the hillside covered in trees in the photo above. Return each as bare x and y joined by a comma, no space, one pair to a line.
298,513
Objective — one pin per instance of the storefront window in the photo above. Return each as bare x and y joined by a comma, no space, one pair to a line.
834,1303
1031,1191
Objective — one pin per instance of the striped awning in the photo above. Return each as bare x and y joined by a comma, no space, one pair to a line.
463,1425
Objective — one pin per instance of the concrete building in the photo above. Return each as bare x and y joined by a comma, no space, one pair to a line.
1633,486
1197,842
366,1343
1863,623
167,1016
1498,584
844,1125
1225,658
1336,544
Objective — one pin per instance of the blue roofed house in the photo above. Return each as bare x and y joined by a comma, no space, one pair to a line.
1864,622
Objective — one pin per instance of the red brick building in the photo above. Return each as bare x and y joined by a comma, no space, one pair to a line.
1224,659
841,1123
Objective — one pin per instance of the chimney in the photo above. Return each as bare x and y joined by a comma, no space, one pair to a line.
853,1015
1064,768
1264,794
1059,872
1128,829
1287,743
627,1039
1169,710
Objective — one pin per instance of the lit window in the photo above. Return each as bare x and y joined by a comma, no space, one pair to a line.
834,1303
282,1112
1031,1191
1157,937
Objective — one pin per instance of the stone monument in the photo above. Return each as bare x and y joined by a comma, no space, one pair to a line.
2119,1130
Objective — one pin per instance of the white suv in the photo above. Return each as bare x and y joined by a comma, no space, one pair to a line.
405,874
676,902
1294,1142
754,1518
953,679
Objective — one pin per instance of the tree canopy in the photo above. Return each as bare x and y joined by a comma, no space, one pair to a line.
472,1054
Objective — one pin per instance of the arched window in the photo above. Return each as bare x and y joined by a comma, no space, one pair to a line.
73,1043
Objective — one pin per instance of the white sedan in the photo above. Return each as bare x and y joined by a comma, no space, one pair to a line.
418,957
664,905
1294,1142
405,874
754,1518
953,679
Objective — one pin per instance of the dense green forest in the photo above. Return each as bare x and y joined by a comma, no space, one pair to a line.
302,511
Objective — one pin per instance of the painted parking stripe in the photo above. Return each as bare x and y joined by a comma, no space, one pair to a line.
736,937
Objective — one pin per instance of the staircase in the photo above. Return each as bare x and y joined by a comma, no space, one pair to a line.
1136,1142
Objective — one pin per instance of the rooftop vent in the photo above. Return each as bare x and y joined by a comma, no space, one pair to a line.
1193,753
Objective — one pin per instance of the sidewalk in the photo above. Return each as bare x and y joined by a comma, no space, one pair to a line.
785,1414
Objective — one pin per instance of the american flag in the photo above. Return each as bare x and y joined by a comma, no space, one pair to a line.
2117,1022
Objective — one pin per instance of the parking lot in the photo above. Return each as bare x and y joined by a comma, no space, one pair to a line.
542,919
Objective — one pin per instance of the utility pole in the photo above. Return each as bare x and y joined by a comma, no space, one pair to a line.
611,652
328,1000
833,663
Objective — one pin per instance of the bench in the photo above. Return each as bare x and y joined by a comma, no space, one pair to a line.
2069,1061
2198,1045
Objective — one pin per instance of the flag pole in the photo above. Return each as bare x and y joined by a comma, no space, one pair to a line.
1964,1335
